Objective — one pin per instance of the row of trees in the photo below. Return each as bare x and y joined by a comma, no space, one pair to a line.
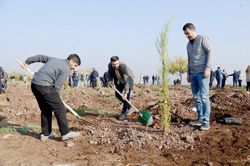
178,66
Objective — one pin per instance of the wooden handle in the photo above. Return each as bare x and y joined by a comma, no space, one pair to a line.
126,100
71,110
18,61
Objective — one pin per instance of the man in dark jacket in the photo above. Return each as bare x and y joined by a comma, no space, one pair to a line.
235,78
218,76
75,78
153,79
224,78
2,76
93,78
147,78
46,85
105,78
122,77
144,79
212,75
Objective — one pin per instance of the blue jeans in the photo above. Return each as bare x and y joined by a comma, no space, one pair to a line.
200,90
219,83
235,83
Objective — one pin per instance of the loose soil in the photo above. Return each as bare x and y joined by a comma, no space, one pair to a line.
107,141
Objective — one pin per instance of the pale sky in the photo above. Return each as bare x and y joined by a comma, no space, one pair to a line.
97,30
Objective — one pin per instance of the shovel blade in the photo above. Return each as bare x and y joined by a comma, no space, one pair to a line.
145,118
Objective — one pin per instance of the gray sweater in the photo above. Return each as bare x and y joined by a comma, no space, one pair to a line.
53,73
199,55
126,76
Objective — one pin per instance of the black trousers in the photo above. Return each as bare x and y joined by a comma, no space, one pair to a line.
49,100
126,106
93,83
211,84
223,83
240,81
248,86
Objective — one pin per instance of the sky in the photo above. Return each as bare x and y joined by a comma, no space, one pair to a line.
99,29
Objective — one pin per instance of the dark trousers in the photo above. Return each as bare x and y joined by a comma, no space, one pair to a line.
75,83
248,86
49,100
1,84
211,84
93,83
218,83
126,106
223,83
235,83
240,81
105,82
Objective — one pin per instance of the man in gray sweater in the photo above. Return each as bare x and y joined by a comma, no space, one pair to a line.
199,68
45,85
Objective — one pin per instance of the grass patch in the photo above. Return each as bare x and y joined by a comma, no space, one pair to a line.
239,89
67,90
83,110
20,129
4,104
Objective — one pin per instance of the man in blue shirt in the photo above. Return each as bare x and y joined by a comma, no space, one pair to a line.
218,77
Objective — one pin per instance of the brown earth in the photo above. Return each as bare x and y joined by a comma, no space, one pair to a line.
107,141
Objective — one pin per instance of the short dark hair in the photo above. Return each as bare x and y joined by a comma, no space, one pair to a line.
188,26
114,58
75,58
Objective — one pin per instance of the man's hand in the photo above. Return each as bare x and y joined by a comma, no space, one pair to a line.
24,65
110,84
124,97
207,72
188,78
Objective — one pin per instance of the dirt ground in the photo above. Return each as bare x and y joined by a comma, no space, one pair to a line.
107,141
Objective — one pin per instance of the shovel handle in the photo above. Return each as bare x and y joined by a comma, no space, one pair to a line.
71,110
126,100
20,63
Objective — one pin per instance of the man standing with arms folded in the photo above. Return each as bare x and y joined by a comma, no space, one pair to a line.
122,77
46,85
199,68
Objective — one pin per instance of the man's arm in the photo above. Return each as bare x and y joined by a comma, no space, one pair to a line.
125,76
207,48
111,76
189,68
37,58
60,80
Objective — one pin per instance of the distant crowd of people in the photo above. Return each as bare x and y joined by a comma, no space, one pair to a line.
155,79
90,80
221,78
93,78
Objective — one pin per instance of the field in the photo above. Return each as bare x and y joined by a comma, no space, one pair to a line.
107,141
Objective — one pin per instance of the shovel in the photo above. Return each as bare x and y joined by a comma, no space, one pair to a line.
66,105
145,117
